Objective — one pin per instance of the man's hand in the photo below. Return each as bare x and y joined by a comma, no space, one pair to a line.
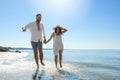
44,41
23,29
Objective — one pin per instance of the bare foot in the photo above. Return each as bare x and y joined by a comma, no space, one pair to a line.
57,67
60,65
42,64
37,66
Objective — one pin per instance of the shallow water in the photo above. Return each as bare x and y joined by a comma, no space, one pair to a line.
77,65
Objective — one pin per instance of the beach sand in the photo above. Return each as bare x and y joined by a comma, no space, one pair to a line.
26,70
22,69
4,55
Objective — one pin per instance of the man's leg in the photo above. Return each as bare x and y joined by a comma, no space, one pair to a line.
36,58
34,46
41,56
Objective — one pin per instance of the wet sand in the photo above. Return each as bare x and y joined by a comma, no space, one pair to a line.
4,55
26,70
12,68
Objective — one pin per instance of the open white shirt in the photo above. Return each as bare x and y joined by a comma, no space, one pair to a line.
36,34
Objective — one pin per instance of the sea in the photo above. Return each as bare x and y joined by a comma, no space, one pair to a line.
91,64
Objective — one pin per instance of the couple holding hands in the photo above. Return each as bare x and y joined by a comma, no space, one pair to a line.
37,32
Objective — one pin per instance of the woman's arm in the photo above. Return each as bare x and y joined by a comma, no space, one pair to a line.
50,38
64,30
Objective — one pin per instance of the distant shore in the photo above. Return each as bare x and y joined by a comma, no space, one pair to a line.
9,49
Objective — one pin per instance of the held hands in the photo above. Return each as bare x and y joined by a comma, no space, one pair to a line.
44,41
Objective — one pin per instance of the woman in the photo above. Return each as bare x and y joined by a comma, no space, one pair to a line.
57,43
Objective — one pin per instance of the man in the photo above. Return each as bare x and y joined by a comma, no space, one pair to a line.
37,32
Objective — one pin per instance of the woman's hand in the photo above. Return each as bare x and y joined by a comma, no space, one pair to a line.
64,30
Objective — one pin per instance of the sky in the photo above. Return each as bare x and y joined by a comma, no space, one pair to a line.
91,24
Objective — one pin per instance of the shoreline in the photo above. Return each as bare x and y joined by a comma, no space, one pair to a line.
11,69
17,66
4,55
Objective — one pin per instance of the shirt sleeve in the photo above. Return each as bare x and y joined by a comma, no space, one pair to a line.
28,26
43,32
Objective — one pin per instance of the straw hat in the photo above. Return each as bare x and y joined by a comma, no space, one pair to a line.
57,26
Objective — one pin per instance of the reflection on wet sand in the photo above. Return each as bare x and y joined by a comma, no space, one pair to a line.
58,74
35,75
67,75
41,74
38,75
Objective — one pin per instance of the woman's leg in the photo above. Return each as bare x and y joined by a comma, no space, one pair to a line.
56,60
60,58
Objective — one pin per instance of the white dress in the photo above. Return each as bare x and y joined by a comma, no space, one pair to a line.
57,44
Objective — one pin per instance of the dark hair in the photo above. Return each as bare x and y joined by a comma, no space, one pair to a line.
38,14
60,30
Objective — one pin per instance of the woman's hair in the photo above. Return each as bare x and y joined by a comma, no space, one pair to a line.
60,29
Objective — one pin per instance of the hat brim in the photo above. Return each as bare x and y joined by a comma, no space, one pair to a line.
58,26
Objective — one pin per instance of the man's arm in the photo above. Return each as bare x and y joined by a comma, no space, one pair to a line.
43,32
27,26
